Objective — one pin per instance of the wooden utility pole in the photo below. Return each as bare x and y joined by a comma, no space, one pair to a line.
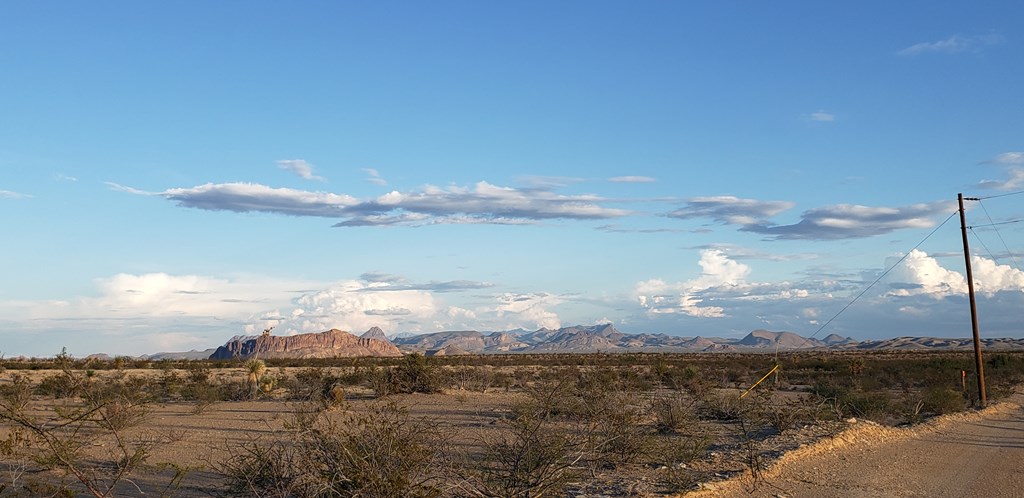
978,364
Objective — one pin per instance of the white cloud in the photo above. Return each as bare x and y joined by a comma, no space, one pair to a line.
1015,173
456,312
528,310
61,177
731,210
1013,181
991,277
847,221
300,167
822,116
1007,158
373,176
253,197
657,296
117,187
954,44
921,274
723,281
8,194
632,179
353,306
481,203
548,182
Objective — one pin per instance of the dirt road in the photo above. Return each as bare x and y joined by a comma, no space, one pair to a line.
978,454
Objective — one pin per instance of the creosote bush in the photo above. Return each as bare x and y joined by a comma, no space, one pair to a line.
382,453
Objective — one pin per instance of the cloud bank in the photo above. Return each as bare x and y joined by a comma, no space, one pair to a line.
483,203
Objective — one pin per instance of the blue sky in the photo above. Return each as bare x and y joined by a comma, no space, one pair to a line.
172,175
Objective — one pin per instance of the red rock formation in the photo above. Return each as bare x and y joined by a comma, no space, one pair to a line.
331,344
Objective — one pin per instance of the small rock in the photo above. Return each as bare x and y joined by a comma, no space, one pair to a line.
851,421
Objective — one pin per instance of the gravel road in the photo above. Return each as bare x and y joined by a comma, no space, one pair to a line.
978,454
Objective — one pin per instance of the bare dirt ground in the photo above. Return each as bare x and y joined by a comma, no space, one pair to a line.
978,454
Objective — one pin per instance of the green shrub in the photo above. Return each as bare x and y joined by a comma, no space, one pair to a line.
942,400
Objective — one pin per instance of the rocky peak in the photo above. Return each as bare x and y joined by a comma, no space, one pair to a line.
375,333
333,343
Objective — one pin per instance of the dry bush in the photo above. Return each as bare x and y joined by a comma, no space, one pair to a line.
60,439
533,458
616,433
16,395
672,414
382,453
675,455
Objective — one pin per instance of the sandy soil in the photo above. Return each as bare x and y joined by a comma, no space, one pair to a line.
965,455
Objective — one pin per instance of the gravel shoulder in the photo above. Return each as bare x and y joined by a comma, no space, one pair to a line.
977,454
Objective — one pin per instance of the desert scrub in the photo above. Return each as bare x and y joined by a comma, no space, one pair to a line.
672,414
66,436
381,453
414,374
532,458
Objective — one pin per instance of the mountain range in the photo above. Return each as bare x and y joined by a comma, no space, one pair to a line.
603,338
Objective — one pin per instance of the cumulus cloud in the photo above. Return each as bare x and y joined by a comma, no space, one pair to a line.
954,44
373,176
731,210
723,282
632,179
849,221
718,270
528,310
481,203
353,306
139,312
921,274
300,167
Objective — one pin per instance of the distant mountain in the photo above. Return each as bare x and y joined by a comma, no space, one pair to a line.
186,355
448,351
469,340
573,339
924,343
375,333
836,339
330,344
781,340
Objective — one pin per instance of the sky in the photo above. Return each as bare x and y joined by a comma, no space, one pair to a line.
174,174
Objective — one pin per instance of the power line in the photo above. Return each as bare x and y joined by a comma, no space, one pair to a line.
1012,257
982,242
880,277
998,195
996,224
